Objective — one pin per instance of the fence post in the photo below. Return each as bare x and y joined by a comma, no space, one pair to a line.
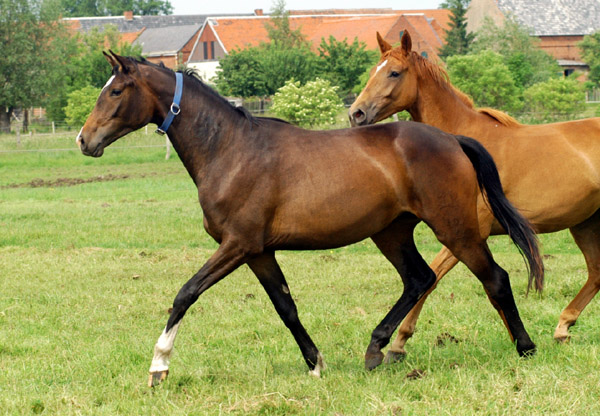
18,137
146,129
168,144
53,128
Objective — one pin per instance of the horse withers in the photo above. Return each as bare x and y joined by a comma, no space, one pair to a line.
549,171
265,185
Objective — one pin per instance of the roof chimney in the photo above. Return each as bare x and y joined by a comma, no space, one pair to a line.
258,12
128,15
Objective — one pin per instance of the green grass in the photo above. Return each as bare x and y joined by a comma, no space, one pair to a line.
89,270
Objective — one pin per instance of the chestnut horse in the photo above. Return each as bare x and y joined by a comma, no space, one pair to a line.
551,172
265,185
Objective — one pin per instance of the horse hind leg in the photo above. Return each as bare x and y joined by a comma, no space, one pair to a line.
477,257
269,274
587,238
443,262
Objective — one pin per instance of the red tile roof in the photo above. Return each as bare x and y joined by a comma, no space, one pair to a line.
425,27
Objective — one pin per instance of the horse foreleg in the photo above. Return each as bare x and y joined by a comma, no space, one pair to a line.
269,274
397,245
226,259
587,239
443,262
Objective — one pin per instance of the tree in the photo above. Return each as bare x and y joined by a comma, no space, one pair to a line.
27,31
314,104
590,51
240,74
486,78
262,70
89,8
458,41
278,27
555,99
80,104
342,63
527,62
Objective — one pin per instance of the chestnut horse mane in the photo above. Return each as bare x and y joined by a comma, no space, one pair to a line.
439,75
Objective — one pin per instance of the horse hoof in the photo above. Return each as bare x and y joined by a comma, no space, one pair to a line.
526,352
373,360
394,357
157,377
562,339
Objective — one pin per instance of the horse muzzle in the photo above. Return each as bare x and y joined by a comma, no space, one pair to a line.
86,148
359,117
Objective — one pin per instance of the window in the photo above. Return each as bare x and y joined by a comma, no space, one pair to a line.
205,46
212,49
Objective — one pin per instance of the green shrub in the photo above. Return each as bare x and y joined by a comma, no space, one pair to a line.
314,104
80,104
555,99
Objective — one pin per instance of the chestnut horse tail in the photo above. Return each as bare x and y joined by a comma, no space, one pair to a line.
517,227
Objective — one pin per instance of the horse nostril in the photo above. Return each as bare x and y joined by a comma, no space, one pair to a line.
358,115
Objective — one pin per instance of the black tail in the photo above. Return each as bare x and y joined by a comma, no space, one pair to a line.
517,227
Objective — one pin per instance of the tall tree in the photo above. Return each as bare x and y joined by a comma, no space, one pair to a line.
458,40
27,31
278,27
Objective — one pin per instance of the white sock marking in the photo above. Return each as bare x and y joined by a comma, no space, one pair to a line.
163,349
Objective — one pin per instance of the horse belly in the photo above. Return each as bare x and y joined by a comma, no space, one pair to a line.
336,221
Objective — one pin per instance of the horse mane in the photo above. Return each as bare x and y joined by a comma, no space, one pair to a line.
193,75
425,67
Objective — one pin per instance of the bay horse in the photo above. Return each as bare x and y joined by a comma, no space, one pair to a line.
551,172
266,185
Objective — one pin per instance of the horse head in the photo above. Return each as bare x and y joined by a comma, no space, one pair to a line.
125,104
392,85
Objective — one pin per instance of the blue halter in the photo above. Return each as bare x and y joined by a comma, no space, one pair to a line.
175,109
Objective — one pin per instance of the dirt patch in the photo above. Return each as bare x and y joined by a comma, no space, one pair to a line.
59,182
416,374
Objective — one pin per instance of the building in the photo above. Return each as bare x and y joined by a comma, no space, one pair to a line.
199,41
220,35
560,25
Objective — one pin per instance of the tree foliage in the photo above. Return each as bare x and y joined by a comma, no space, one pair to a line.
29,33
314,104
590,51
527,62
342,63
90,8
80,104
458,40
278,27
555,99
486,78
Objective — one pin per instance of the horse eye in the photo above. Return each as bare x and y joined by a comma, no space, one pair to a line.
394,74
115,93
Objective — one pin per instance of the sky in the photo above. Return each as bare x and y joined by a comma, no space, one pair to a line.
248,6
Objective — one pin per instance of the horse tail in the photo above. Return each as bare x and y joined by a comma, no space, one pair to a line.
517,227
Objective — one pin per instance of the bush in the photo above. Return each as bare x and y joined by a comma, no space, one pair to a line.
555,99
486,78
80,104
314,104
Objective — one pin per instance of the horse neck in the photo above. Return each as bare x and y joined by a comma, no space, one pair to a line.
440,106
204,130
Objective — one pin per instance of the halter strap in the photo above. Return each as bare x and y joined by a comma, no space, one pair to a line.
175,109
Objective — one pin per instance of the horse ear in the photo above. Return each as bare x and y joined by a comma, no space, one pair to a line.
110,59
383,45
124,63
406,43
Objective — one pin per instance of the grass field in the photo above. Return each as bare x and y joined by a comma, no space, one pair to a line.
93,251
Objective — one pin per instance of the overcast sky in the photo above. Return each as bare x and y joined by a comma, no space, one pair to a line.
248,6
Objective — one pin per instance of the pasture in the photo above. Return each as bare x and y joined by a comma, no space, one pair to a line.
93,251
